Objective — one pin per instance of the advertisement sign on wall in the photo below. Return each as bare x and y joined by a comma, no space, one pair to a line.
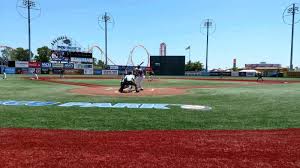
34,65
74,72
21,64
76,59
113,67
38,70
21,70
9,70
46,65
69,66
97,71
110,72
45,71
88,71
82,66
57,65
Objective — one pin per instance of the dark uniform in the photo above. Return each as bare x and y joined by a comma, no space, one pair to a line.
260,77
128,80
62,73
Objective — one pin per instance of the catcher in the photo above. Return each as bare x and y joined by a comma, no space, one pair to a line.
128,81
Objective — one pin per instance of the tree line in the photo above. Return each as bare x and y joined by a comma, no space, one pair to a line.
194,66
21,54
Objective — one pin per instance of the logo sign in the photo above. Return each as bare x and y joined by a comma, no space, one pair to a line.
112,67
46,65
38,70
68,48
22,64
110,72
64,39
57,65
34,64
64,43
83,66
105,105
69,66
77,59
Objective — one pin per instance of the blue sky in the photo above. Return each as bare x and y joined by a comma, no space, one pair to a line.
251,31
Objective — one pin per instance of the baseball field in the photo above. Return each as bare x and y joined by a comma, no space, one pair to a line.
83,121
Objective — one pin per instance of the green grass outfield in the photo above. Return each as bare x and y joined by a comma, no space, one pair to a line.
240,107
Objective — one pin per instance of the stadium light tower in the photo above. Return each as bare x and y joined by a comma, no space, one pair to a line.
290,13
104,21
24,8
208,27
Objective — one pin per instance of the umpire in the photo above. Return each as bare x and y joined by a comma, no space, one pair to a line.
128,80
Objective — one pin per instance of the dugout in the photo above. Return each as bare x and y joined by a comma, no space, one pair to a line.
168,65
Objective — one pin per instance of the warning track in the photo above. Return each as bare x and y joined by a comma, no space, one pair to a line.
60,148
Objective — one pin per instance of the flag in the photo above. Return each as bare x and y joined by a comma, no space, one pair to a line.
188,48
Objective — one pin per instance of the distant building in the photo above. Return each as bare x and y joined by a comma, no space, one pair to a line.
267,69
163,49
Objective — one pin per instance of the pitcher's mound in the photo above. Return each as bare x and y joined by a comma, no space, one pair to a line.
114,91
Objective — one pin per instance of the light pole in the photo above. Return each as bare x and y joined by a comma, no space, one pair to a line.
190,54
106,19
208,27
292,10
189,48
28,5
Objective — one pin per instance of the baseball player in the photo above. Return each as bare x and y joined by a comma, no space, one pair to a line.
139,77
128,80
151,73
61,75
260,77
4,73
35,76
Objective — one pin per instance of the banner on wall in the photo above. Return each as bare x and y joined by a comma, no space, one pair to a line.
9,70
113,67
69,66
74,72
97,71
31,70
57,65
21,70
46,65
45,71
83,66
21,64
77,59
110,72
88,71
34,65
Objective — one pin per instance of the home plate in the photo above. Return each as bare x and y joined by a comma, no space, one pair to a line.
109,89
152,90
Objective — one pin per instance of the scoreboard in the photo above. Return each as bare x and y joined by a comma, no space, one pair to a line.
168,65
66,56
